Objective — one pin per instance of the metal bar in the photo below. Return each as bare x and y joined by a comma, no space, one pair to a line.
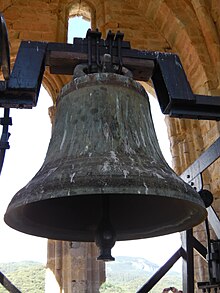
188,262
161,272
118,39
196,168
202,162
170,82
89,51
109,41
7,284
97,43
201,249
209,251
207,285
214,221
29,63
6,121
195,111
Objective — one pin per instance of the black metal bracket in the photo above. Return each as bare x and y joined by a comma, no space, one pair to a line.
174,93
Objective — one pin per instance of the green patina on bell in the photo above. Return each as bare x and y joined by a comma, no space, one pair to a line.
104,149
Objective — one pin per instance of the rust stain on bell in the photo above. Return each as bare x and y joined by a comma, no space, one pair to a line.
104,145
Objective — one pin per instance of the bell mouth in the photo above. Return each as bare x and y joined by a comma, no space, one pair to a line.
76,218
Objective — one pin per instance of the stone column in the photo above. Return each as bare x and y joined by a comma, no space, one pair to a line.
72,268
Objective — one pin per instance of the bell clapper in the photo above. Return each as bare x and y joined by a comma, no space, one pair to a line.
105,235
206,196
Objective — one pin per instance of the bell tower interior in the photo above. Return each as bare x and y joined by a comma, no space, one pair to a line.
188,28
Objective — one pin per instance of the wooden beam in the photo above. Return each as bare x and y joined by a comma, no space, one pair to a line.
64,62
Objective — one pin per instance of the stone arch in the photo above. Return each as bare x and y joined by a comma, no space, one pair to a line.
82,8
176,27
178,24
67,9
54,83
173,26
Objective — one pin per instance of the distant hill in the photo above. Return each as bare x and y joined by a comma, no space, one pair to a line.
128,274
132,266
27,276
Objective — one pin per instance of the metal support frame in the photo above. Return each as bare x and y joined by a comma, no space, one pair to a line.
188,263
189,243
193,176
173,90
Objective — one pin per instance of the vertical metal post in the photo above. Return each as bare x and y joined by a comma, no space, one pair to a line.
188,262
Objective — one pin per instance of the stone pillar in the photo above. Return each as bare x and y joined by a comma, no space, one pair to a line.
72,268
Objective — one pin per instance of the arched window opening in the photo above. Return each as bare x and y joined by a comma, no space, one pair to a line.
77,28
81,17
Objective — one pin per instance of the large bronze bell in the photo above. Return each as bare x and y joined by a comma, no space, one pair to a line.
104,177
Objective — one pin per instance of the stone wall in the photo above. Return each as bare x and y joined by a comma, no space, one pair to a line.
190,28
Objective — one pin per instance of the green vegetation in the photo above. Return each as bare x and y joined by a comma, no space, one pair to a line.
128,274
28,277
120,286
125,275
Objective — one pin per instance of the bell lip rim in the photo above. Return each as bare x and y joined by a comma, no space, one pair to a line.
10,219
91,238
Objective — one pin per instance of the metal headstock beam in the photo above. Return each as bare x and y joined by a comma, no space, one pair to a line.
172,88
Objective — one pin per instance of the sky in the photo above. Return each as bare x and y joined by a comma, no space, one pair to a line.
30,134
